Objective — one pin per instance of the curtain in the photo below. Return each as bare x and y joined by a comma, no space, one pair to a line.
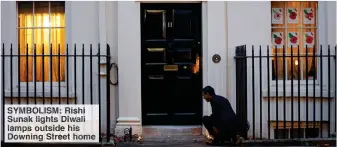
25,46
48,32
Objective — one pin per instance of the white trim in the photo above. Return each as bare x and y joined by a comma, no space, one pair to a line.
39,92
206,108
214,26
302,93
216,36
129,56
102,34
204,8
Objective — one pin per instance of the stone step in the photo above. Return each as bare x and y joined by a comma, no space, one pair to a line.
162,132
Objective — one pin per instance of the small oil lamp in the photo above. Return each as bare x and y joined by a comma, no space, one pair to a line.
209,137
139,139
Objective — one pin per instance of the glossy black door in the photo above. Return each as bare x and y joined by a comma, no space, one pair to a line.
171,64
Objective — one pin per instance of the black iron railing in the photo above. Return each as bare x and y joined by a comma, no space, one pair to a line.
288,91
81,77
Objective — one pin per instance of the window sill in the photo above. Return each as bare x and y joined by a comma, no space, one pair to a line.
39,93
302,93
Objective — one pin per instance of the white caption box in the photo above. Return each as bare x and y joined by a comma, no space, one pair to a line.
52,123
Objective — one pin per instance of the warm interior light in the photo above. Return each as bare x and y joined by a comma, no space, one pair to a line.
42,34
45,20
196,65
296,62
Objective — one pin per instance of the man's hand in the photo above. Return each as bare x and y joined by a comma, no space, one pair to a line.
215,131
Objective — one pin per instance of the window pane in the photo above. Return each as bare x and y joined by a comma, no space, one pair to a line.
278,45
294,39
308,45
277,65
57,14
311,71
57,20
57,38
42,64
41,39
309,11
26,46
25,14
309,39
41,14
293,43
296,66
41,7
278,13
293,14
41,20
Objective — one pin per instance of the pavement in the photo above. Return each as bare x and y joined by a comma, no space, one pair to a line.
185,141
163,145
196,145
201,143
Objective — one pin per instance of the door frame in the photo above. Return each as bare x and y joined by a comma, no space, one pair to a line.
214,41
197,10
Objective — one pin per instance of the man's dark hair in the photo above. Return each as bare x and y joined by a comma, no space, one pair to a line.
209,90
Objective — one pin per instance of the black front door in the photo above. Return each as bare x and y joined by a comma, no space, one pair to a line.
171,64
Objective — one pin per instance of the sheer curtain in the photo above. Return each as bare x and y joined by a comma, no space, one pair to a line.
25,44
47,33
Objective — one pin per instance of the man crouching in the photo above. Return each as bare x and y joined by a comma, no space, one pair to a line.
221,124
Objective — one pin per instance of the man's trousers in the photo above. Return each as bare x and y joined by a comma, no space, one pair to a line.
226,130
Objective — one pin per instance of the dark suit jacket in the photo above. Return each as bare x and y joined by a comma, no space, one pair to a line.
222,111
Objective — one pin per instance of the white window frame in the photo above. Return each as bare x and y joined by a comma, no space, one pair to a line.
302,81
47,84
47,90
322,32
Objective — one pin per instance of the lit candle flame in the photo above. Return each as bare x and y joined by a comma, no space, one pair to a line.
209,137
139,138
296,62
